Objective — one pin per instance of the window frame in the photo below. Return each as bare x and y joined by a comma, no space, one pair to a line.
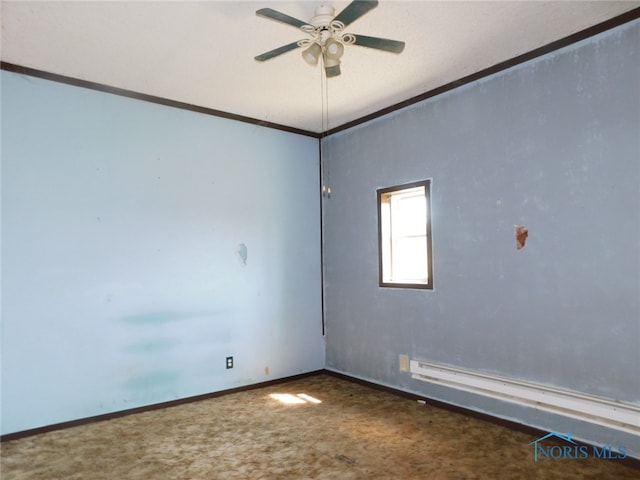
398,189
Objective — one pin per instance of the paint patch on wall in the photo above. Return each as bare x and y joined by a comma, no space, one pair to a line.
521,236
242,253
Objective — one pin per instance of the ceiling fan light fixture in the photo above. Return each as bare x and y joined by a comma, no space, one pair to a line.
333,48
331,65
312,54
333,71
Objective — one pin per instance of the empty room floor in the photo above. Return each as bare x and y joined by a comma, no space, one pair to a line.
316,427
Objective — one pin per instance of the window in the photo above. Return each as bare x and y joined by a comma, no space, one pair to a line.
404,236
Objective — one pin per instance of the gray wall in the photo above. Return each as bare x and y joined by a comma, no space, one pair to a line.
553,144
141,245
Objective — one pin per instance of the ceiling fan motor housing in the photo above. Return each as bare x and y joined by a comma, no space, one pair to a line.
323,16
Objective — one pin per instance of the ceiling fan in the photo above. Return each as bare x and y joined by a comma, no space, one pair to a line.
327,36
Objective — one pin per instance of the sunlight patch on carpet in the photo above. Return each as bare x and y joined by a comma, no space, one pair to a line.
290,399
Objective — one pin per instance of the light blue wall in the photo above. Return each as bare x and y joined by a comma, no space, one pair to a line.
553,144
141,245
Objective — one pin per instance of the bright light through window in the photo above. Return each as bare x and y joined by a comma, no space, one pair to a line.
405,236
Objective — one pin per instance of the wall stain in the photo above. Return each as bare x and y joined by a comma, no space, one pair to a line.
154,318
242,253
159,378
151,346
160,317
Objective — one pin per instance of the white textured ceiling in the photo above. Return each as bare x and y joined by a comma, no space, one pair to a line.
202,53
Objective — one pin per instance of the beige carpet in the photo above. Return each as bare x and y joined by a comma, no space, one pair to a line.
354,433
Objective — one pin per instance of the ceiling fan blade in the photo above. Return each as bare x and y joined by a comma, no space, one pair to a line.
355,10
393,46
280,17
277,51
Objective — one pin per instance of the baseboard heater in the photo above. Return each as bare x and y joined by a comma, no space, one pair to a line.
590,408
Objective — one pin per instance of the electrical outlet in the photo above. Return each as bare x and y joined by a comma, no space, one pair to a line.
229,362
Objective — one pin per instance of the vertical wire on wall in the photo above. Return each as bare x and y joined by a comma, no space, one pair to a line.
324,85
324,113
